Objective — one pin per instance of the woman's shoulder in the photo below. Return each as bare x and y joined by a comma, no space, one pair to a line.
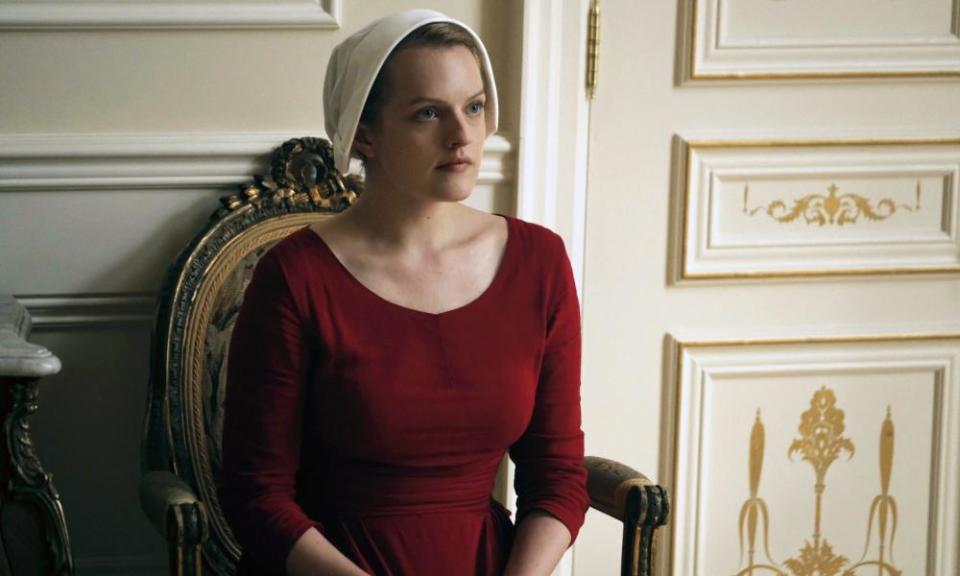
296,244
287,257
535,239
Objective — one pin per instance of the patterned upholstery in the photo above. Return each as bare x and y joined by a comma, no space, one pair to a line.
219,328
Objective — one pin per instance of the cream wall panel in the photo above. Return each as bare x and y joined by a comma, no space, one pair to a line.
97,241
763,38
117,241
835,396
818,207
207,80
820,22
209,14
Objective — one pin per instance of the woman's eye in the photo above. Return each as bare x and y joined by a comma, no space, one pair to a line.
426,114
475,108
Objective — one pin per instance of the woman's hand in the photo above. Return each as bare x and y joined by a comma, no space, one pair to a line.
538,546
313,555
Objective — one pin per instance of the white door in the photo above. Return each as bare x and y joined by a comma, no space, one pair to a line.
774,250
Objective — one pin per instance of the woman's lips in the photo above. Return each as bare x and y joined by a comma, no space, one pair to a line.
456,165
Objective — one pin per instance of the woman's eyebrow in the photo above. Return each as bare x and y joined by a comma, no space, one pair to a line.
419,99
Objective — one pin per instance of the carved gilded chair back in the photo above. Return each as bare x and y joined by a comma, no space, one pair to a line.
196,312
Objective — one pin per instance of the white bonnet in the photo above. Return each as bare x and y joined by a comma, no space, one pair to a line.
355,63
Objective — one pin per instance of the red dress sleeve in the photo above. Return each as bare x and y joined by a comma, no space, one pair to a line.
263,420
549,456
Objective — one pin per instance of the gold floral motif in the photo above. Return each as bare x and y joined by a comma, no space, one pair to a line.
832,208
821,433
817,559
821,442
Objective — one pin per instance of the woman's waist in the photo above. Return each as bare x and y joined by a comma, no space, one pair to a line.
375,491
418,511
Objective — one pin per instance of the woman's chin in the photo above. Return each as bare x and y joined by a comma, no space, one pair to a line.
456,189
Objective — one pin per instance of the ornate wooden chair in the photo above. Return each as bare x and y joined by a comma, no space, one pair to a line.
196,312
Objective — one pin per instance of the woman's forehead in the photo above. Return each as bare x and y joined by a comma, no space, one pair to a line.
433,73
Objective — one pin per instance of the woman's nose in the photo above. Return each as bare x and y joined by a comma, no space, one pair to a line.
458,133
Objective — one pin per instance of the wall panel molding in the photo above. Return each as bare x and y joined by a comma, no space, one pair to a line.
149,161
91,311
742,39
142,14
746,417
804,208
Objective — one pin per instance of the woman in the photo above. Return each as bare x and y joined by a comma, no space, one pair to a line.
386,358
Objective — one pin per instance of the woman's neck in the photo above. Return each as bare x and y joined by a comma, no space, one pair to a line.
392,221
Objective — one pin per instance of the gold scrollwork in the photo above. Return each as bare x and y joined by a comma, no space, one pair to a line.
831,208
821,442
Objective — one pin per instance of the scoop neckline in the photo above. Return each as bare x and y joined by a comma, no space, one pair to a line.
497,278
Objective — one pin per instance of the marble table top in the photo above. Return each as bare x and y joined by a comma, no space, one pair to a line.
19,358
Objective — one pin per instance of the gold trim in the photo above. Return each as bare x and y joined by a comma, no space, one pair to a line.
675,392
179,560
694,74
814,142
816,273
818,340
823,75
692,44
686,210
593,48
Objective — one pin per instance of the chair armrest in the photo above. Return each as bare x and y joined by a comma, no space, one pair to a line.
173,508
629,496
623,493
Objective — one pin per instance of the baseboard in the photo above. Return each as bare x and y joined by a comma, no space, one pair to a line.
155,565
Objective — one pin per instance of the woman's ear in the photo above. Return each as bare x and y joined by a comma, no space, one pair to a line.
363,140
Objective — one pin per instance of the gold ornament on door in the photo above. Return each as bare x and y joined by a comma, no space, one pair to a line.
820,443
831,208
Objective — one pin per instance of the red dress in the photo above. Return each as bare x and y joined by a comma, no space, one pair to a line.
383,426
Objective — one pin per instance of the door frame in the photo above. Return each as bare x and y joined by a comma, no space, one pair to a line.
552,150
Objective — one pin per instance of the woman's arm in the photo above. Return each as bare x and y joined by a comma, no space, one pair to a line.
313,554
262,433
550,481
538,546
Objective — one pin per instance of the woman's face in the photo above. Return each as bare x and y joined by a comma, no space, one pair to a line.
427,141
